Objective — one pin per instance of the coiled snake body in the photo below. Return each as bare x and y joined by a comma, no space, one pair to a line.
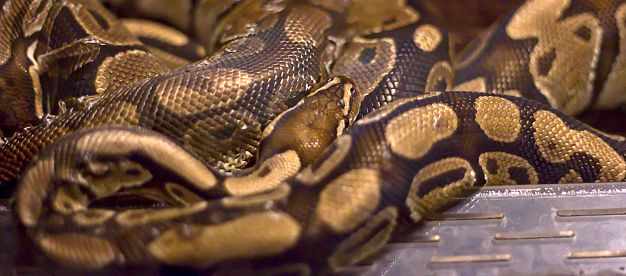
316,132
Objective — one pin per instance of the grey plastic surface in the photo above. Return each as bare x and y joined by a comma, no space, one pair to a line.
509,230
520,230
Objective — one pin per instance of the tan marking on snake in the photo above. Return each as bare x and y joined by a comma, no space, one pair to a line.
34,76
8,35
160,150
254,235
156,31
349,200
413,133
181,194
245,46
279,193
109,177
433,199
557,143
373,16
222,91
116,71
306,25
427,37
465,59
69,199
269,174
441,71
36,16
367,76
116,34
499,118
612,94
340,148
389,108
503,168
571,177
511,92
366,240
35,188
78,250
270,127
92,217
568,85
476,85
132,218
332,82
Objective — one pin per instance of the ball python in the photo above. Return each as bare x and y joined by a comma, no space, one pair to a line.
315,133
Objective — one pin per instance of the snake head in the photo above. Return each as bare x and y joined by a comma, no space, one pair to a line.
341,99
312,124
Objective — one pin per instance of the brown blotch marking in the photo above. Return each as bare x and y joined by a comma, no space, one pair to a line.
412,133
306,25
125,68
440,73
251,236
379,63
568,82
499,118
93,217
78,250
438,196
492,166
132,218
509,169
366,240
349,200
268,176
427,37
571,177
557,143
221,88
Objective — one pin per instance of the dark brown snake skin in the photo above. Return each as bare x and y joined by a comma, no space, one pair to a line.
317,131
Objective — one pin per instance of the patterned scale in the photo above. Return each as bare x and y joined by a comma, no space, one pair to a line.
397,64
570,55
251,160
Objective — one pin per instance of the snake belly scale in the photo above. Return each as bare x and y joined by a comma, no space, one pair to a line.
313,133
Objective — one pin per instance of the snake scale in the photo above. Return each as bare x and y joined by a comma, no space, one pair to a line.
311,133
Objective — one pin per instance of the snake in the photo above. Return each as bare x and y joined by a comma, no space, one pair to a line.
286,137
